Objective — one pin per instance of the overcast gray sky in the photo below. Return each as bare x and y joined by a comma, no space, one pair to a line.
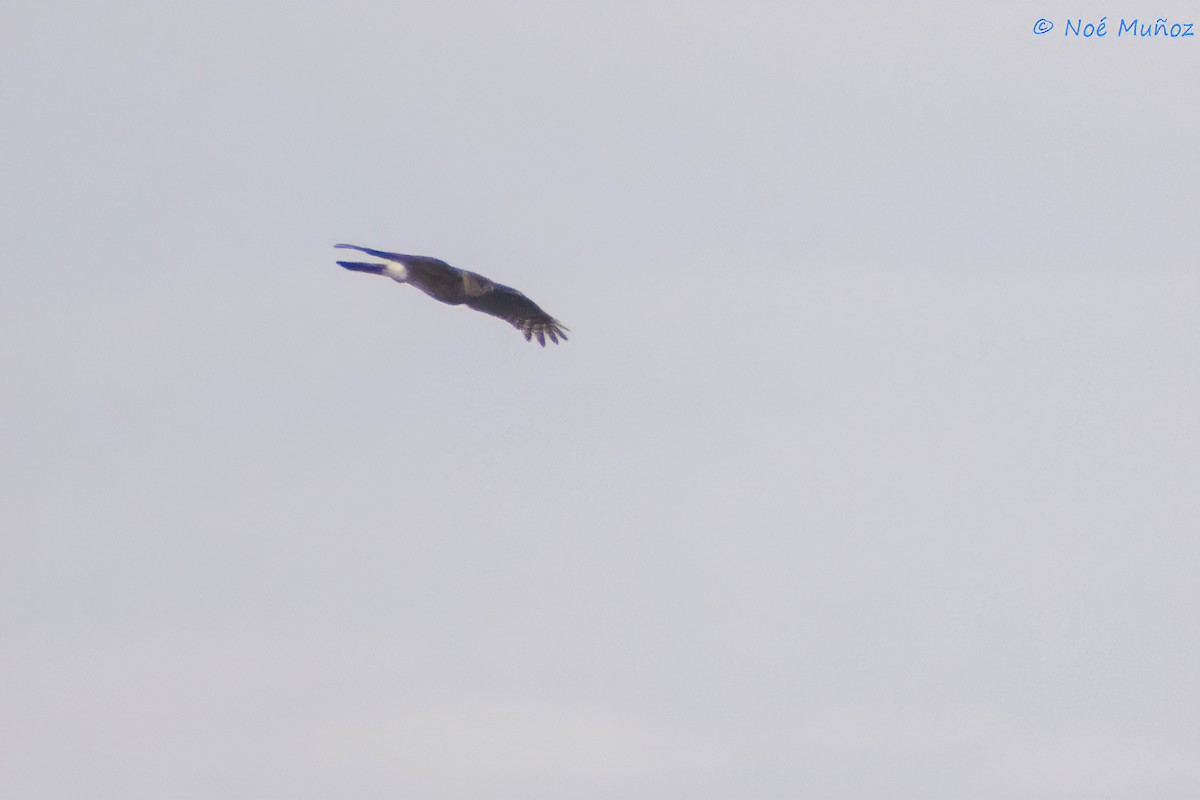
870,469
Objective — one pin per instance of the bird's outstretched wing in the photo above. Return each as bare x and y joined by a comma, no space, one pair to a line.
519,311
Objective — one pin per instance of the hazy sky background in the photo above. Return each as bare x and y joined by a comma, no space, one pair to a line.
871,470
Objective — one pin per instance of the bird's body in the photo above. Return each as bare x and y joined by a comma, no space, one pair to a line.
457,287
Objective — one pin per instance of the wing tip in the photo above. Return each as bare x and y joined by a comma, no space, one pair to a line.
541,330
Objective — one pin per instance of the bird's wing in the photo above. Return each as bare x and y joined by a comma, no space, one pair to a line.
519,311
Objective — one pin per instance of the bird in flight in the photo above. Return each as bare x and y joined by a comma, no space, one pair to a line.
459,287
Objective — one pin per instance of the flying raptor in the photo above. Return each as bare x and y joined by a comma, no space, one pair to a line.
459,287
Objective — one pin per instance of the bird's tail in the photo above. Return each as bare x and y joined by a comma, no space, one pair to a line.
362,266
370,252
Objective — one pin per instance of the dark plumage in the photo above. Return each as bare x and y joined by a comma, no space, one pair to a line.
458,287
